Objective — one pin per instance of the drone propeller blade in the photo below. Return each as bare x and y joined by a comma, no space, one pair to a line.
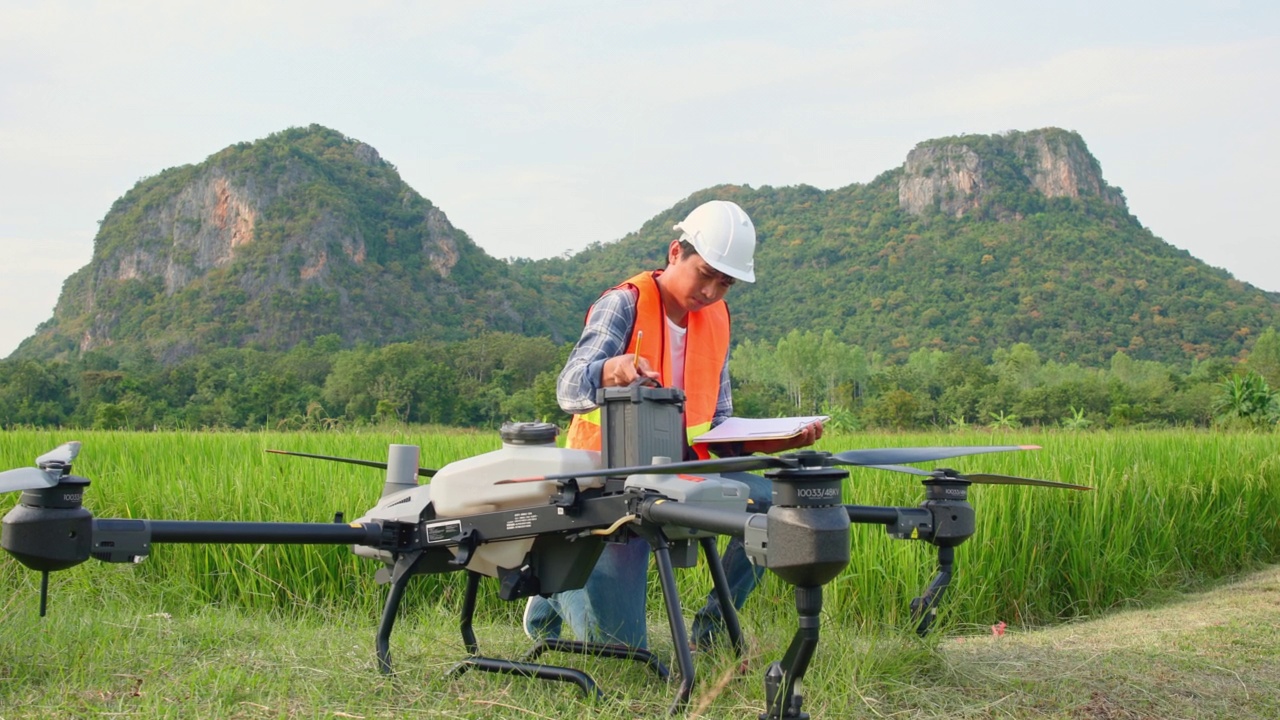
27,478
986,479
718,465
424,472
900,468
64,454
894,456
980,478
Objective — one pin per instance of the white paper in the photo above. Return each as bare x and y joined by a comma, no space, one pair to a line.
746,429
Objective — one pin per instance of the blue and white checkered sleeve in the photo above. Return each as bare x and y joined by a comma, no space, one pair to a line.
724,403
606,335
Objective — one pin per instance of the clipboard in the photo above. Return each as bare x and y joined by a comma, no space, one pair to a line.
747,429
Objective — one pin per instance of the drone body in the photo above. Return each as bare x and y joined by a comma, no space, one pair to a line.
535,517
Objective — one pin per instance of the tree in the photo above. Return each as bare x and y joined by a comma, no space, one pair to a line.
794,361
1264,358
1248,399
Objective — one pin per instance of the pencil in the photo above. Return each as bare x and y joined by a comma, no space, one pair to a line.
639,337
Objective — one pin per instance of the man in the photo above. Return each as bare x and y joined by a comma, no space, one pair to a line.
681,316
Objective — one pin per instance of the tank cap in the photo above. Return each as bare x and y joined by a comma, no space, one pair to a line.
528,433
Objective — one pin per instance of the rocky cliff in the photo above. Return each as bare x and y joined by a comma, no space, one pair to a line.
962,175
265,244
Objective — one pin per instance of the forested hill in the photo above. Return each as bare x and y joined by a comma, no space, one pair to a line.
272,243
976,242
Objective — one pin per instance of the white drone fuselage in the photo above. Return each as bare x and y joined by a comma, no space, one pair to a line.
469,487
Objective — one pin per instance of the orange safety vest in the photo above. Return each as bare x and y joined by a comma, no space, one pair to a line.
705,348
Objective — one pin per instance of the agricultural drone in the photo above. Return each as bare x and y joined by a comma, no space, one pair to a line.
535,517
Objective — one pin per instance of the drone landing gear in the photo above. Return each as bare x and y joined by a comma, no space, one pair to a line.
525,668
579,647
720,584
400,576
781,677
675,618
924,609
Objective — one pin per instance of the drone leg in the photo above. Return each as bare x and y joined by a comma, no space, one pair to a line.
399,579
720,582
469,611
924,609
44,592
675,618
781,677
509,667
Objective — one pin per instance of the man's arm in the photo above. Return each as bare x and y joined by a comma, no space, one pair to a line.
606,334
724,403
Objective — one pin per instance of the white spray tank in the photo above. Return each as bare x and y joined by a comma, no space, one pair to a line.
466,487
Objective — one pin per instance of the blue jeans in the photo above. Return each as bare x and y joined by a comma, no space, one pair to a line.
611,607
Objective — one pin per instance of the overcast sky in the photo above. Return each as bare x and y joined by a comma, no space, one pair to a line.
540,127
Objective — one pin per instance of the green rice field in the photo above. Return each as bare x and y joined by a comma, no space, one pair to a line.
1170,510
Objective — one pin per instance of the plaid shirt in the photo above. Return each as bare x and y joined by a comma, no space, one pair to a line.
606,335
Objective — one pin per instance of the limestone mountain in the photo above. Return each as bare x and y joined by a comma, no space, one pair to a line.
960,176
265,244
978,241
975,242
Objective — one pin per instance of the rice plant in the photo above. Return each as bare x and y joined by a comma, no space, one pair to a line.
1169,509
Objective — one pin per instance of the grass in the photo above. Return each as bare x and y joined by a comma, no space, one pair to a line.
247,631
1213,654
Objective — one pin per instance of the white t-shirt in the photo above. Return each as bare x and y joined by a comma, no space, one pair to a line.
677,335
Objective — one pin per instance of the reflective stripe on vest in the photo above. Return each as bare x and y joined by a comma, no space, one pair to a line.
706,345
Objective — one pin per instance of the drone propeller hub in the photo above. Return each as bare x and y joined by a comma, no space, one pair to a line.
60,458
811,486
810,458
946,488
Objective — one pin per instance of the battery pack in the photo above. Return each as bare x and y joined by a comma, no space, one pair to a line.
639,423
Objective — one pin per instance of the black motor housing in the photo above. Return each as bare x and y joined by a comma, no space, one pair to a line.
49,529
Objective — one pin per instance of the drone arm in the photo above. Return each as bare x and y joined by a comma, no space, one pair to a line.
874,515
716,520
901,522
125,540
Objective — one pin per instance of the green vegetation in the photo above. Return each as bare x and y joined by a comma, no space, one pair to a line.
315,385
1077,280
496,377
340,245
1213,655
288,632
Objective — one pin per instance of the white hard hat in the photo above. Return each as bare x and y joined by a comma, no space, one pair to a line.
723,235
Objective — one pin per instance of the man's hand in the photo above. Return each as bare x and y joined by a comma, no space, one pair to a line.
809,436
620,371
